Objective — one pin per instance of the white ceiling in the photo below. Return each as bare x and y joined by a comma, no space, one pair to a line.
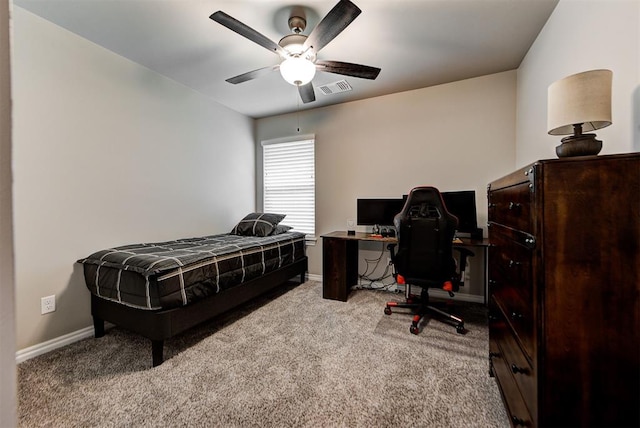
416,43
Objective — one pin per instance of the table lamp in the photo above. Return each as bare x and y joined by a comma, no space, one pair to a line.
577,103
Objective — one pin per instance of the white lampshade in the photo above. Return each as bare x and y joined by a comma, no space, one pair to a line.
583,98
297,71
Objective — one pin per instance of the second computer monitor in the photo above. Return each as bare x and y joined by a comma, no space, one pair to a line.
462,204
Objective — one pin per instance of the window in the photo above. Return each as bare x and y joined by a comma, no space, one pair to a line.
289,182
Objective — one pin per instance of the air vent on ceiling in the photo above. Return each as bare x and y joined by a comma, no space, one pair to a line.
335,87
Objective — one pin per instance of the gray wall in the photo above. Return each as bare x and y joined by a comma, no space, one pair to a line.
456,136
107,152
565,47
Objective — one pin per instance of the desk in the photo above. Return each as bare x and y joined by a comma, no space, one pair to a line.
340,261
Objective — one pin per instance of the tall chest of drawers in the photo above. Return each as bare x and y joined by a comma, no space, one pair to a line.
564,285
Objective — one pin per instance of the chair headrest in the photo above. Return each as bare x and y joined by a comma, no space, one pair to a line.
424,210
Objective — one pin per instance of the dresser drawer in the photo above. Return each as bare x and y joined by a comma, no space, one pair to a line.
515,403
511,206
510,261
516,376
510,282
519,315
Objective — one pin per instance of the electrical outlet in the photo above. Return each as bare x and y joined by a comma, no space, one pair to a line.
48,304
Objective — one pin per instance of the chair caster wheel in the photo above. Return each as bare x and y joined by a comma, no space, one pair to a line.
413,329
387,310
460,329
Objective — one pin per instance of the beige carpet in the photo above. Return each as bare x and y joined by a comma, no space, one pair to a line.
292,359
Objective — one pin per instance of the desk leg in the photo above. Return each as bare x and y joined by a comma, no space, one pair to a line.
339,267
486,275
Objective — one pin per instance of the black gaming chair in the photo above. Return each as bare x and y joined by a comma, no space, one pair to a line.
425,254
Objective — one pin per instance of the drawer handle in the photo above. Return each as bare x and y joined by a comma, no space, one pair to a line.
513,263
492,206
514,205
516,316
515,369
517,421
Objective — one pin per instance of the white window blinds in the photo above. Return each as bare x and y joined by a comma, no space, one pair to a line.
289,182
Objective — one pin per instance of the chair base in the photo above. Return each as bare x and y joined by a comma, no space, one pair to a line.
420,307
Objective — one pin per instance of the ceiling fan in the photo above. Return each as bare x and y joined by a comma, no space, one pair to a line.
299,52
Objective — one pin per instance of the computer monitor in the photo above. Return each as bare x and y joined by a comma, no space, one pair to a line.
378,211
462,204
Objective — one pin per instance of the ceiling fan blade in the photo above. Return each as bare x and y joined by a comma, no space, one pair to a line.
254,74
246,31
306,93
348,69
332,24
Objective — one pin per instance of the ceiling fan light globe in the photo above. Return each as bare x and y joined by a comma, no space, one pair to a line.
297,71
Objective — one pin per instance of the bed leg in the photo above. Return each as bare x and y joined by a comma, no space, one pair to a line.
157,352
98,327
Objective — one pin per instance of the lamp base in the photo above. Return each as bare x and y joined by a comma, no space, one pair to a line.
579,145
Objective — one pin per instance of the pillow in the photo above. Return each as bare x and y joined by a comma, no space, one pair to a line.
257,224
281,228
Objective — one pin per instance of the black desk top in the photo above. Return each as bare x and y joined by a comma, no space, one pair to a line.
361,236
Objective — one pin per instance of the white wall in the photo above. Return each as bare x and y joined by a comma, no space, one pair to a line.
456,136
107,152
580,36
7,319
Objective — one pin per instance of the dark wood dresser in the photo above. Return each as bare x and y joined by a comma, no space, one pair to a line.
564,284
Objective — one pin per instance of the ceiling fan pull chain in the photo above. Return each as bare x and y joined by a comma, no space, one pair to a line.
298,111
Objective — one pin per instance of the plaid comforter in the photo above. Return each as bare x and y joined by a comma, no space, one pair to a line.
175,273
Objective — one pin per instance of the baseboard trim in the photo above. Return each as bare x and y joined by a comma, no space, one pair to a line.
50,345
58,342
67,339
314,277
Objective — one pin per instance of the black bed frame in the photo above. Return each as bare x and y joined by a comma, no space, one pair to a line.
165,323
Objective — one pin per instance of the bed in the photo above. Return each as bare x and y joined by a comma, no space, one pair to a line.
164,288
